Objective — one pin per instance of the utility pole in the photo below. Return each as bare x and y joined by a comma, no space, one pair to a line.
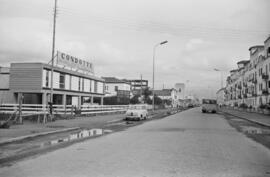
53,51
141,86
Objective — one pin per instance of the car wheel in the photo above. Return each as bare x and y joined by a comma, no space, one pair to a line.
214,112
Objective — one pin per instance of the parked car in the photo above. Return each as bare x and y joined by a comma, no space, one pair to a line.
209,105
136,112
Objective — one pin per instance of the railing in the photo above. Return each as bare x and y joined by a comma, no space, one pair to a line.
265,76
32,109
265,92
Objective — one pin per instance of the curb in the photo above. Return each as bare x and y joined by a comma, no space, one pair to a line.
11,140
253,121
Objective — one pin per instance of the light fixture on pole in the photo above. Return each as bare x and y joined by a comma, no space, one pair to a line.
154,53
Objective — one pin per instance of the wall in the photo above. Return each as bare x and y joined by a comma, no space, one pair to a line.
25,76
4,80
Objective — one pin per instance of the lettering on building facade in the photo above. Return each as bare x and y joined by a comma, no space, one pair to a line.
73,62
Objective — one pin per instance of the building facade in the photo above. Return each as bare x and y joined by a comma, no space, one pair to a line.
168,94
137,85
249,83
221,96
180,87
33,82
116,87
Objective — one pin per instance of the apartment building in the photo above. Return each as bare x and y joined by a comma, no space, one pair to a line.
250,83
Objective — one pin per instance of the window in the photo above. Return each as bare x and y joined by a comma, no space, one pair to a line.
95,86
47,78
116,88
82,84
268,52
62,81
79,84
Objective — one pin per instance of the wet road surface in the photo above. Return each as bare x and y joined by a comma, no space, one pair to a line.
185,144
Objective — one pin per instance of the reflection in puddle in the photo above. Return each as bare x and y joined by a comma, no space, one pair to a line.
79,135
254,130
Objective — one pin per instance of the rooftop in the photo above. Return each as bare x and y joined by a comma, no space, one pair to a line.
114,80
243,62
256,46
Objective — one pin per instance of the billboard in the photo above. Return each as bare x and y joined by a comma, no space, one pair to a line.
73,62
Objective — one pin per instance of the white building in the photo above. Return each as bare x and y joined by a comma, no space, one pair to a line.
168,94
180,87
116,87
221,96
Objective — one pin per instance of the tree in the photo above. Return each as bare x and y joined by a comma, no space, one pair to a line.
135,99
146,93
158,101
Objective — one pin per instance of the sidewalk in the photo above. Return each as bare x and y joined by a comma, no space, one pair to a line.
253,117
31,129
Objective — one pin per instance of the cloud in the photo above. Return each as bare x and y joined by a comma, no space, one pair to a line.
193,44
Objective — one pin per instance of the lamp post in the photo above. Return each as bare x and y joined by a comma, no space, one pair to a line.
221,76
154,53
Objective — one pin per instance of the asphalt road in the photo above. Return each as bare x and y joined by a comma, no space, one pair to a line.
185,144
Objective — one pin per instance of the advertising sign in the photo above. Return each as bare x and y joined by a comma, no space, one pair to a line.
73,62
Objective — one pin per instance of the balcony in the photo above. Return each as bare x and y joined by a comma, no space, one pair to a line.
265,76
254,94
265,92
254,81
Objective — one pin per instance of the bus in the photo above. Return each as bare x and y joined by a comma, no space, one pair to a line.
209,105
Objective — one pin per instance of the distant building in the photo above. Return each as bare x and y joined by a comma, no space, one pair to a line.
221,96
168,94
137,85
180,87
116,87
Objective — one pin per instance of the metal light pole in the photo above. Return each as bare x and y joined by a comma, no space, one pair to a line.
154,53
221,76
53,53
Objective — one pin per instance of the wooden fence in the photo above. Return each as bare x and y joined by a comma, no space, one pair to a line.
33,109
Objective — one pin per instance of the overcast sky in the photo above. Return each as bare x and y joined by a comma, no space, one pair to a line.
118,36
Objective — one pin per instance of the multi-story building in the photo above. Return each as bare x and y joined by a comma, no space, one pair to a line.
33,82
116,87
168,94
221,96
249,83
137,85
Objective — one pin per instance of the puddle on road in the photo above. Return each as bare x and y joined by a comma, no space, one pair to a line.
75,136
254,130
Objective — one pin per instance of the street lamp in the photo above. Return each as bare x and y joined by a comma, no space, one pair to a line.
221,76
154,52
